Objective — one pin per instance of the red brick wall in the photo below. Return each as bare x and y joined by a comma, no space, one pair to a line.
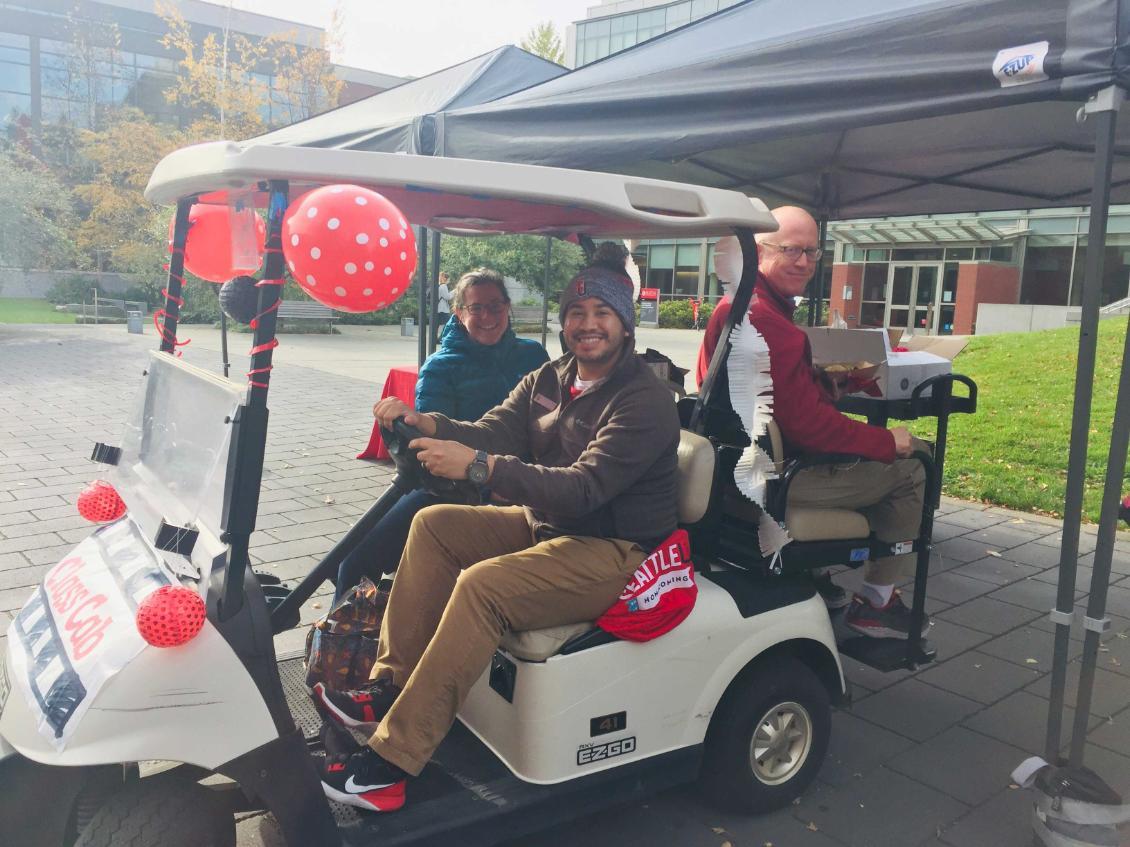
849,309
982,283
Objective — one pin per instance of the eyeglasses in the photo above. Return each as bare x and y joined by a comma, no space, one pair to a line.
477,310
792,252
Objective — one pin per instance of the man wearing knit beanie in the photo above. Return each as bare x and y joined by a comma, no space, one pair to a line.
586,448
597,313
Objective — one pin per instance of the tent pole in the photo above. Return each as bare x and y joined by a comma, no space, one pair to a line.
816,293
433,295
1096,623
1104,106
545,290
422,292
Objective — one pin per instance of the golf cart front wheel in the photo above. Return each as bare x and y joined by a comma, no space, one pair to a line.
161,813
768,737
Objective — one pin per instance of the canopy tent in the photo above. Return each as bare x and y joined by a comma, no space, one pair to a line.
862,109
871,108
385,122
399,119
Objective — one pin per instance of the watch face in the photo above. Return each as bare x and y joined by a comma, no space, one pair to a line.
477,473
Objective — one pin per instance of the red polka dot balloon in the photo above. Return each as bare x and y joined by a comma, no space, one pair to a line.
99,502
170,616
349,248
208,246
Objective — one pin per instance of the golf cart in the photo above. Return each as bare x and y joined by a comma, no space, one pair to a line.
562,722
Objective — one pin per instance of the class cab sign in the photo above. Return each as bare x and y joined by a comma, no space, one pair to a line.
78,628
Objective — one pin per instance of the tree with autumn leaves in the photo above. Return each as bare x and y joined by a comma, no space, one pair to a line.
78,192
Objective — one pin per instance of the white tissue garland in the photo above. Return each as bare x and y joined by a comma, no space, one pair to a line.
751,396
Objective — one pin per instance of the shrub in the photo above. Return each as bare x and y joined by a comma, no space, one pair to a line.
73,289
679,314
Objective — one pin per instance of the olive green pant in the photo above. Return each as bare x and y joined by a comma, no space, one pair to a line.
889,496
468,575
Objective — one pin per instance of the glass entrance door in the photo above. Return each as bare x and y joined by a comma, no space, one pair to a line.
912,302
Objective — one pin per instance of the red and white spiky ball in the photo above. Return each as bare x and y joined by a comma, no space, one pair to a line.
100,502
170,616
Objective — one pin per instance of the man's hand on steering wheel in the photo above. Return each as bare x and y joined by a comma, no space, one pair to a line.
390,408
446,459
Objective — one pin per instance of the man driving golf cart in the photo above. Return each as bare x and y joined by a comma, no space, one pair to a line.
596,496
884,484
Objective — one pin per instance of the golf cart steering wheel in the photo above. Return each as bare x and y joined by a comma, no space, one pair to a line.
412,473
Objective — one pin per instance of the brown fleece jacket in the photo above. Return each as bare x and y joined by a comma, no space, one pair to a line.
603,464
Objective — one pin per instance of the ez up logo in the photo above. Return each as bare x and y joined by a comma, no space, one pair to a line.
586,755
1021,65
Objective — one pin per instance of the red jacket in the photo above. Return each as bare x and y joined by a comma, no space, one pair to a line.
808,419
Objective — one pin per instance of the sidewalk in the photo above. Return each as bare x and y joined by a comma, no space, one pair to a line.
919,759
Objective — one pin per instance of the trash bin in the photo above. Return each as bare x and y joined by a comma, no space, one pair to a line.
133,322
407,326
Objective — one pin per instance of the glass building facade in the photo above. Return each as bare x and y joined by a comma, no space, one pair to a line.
45,77
603,36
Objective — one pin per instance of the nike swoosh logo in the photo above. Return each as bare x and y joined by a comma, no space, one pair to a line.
354,788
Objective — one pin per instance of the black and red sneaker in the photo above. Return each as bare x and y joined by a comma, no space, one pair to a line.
364,780
359,707
889,621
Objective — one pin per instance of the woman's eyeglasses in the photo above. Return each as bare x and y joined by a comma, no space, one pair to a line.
477,310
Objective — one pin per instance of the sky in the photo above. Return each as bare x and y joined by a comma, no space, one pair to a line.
417,37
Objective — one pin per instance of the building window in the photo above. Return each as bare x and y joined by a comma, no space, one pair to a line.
661,268
688,258
678,15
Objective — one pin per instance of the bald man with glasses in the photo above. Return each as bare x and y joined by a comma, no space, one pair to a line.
886,486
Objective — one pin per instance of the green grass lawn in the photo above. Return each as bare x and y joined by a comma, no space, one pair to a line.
1013,451
19,310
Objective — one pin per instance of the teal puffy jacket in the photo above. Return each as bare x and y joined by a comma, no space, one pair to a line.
464,379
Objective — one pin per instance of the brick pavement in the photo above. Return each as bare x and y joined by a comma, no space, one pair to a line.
919,759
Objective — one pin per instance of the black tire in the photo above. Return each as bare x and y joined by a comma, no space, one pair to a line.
775,693
161,813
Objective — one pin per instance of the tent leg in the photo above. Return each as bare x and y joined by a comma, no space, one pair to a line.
433,295
816,292
545,290
1080,423
1095,621
422,290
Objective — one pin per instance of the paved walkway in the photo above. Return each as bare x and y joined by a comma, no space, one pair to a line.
919,759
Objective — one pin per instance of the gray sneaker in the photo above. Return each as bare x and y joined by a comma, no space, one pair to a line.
890,621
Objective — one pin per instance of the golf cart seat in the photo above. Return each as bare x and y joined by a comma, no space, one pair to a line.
696,479
804,523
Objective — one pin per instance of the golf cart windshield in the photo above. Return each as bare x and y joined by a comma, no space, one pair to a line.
175,447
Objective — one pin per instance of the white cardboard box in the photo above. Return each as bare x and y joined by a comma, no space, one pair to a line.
899,373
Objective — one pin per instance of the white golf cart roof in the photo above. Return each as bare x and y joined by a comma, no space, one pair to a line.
464,196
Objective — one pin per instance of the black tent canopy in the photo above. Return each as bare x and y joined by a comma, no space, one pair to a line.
388,122
861,109
871,108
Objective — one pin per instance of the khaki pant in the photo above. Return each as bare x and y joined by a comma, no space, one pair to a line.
469,574
889,496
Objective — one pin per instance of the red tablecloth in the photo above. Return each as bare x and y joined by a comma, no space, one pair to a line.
400,382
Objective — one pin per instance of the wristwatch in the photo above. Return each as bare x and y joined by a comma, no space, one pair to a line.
478,470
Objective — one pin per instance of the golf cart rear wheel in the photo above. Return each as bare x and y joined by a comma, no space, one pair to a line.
768,737
161,813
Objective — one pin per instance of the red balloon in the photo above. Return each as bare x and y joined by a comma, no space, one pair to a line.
349,248
170,616
100,502
208,247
